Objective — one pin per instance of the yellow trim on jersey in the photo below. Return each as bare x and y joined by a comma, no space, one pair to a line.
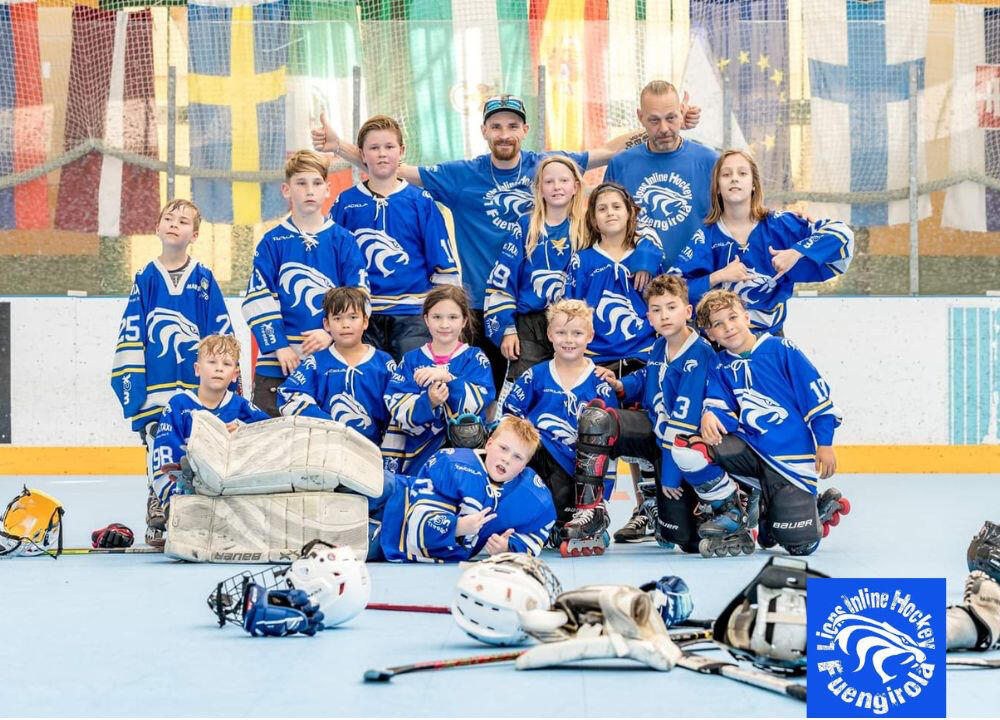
121,346
167,386
678,423
129,369
257,321
821,406
148,413
260,293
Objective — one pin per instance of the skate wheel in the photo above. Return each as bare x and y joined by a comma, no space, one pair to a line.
735,550
826,529
564,548
749,547
754,533
834,520
705,548
845,506
586,552
598,551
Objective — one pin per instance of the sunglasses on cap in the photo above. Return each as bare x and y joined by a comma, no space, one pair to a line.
509,103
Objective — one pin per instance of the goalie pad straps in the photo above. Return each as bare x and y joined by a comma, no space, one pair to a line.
599,621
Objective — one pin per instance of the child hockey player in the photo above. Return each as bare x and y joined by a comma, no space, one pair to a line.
758,253
217,366
436,383
464,501
670,390
294,265
551,395
531,272
402,236
768,415
347,381
174,303
610,274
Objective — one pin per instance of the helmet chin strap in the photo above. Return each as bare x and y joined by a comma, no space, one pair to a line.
22,522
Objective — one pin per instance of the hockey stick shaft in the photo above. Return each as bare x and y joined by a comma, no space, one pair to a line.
708,666
141,550
389,673
981,663
436,609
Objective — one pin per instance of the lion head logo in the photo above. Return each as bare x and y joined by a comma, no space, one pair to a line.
306,285
169,329
379,248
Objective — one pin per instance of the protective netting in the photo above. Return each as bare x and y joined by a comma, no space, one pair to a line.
106,107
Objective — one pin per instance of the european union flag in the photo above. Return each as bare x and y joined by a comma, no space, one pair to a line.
236,82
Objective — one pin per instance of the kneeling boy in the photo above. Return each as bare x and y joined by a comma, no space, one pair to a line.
218,364
465,501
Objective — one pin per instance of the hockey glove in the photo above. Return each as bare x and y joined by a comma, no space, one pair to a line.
114,535
275,613
598,621
672,599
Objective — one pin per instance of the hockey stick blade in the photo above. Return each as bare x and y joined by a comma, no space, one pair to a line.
708,666
387,674
981,663
138,550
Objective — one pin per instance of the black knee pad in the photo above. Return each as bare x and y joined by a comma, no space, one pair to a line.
676,520
792,519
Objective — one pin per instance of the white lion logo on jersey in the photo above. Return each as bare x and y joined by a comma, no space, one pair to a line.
379,248
882,638
644,231
515,200
663,201
617,311
756,408
660,429
756,282
170,329
305,284
549,285
557,427
346,409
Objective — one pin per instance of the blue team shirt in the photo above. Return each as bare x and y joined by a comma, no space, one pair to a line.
486,203
420,517
671,189
159,334
292,272
776,400
826,245
175,422
519,284
404,241
326,386
672,393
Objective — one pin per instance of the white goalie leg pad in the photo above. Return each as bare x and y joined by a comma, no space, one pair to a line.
264,528
285,454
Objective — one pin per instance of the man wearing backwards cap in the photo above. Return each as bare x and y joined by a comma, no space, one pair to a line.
487,194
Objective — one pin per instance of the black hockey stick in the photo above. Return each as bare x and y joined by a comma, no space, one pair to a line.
388,674
980,663
710,666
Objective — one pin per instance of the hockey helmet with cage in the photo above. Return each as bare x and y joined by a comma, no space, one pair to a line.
334,578
31,525
490,594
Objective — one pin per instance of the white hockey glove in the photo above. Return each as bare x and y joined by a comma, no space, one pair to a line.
598,621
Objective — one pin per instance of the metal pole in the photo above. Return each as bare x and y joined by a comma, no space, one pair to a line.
914,211
727,113
355,173
541,107
171,130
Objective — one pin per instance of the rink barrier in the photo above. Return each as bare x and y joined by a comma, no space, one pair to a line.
867,459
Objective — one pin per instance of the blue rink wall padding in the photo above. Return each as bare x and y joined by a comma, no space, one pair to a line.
131,635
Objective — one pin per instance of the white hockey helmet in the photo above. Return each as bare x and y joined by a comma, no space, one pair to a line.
490,594
334,578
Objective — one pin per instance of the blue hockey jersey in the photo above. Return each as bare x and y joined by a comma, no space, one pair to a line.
486,203
291,274
417,431
827,247
159,334
170,443
775,399
519,285
404,242
540,396
420,518
672,393
325,386
670,188
620,326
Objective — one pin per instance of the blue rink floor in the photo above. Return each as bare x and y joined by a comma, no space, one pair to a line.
131,635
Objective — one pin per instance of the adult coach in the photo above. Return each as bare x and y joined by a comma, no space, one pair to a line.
669,176
487,195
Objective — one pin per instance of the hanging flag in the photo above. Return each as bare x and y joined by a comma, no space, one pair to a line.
111,97
237,57
748,44
860,54
25,123
703,76
975,120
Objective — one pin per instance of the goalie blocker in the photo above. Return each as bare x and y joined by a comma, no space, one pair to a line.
264,528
